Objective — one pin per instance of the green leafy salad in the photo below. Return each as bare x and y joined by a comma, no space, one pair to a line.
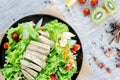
60,63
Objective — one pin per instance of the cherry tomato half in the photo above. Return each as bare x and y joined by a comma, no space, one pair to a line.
82,1
56,76
76,47
15,36
94,2
86,11
52,77
21,78
69,67
5,45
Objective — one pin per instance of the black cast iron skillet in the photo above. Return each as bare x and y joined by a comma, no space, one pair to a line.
46,18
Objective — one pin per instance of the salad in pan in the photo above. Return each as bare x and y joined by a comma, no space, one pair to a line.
40,53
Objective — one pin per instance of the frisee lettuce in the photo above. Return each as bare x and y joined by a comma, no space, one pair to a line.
16,49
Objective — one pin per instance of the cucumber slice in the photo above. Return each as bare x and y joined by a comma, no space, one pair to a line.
98,15
110,6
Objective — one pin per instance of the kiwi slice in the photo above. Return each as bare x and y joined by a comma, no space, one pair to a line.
98,15
110,6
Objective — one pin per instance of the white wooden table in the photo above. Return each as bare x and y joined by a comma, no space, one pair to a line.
93,36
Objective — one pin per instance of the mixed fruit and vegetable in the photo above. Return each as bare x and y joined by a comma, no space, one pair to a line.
40,53
100,13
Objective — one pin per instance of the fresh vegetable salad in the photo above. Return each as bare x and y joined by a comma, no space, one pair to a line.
34,53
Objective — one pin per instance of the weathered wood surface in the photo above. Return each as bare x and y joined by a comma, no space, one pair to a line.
93,36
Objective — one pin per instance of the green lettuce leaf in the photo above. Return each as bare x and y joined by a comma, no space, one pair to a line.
56,29
16,49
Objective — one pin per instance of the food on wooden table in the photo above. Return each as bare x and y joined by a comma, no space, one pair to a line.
86,11
40,54
82,1
70,2
94,2
110,6
98,15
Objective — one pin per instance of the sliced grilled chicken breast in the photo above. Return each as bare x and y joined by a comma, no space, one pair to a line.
35,59
31,65
30,71
37,54
45,33
46,40
40,45
27,75
35,48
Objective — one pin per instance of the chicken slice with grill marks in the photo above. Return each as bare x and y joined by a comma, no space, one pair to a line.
30,71
40,45
37,49
31,65
27,75
46,41
37,54
45,33
35,59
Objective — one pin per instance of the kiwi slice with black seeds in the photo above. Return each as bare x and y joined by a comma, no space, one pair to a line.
98,15
110,6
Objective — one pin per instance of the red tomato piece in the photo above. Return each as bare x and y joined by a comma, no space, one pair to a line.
86,11
15,36
52,77
69,67
76,47
21,78
5,46
82,1
94,2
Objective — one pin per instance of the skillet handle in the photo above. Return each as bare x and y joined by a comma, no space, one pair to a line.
86,70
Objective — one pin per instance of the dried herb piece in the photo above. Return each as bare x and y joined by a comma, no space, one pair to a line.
107,54
108,70
117,65
110,50
115,32
101,65
95,58
118,53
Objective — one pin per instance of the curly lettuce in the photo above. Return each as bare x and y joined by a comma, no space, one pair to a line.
56,29
16,49
56,62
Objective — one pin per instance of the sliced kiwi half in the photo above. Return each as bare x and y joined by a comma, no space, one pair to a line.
110,6
98,15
